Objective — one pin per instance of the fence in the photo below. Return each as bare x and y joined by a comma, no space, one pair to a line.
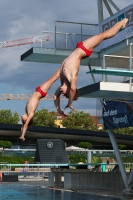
67,34
42,170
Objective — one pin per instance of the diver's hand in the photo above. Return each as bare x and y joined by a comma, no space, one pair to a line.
60,112
69,106
22,138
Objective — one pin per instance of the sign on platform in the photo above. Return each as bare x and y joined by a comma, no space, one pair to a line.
111,21
117,114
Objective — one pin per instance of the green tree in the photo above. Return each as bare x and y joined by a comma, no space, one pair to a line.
76,158
79,120
5,144
44,118
124,131
16,159
121,146
7,117
85,145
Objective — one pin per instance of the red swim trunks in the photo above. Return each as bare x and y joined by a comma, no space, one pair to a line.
38,89
81,46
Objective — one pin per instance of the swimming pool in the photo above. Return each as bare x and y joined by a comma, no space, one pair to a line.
19,191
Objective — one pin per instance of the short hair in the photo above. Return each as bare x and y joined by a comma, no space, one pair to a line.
76,95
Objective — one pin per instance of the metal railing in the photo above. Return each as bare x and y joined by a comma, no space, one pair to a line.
42,169
67,34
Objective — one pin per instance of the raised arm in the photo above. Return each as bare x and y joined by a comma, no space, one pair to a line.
25,127
57,101
72,93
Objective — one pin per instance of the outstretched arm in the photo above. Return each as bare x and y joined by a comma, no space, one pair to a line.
25,127
72,93
57,101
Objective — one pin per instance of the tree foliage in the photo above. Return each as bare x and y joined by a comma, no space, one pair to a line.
44,118
79,120
85,145
122,146
16,159
7,117
76,158
124,131
5,144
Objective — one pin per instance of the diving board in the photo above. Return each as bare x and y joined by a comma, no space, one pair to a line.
111,72
107,90
56,56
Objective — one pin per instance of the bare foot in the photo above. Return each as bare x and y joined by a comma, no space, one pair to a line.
22,138
125,20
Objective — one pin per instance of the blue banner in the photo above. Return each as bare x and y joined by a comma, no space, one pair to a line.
117,114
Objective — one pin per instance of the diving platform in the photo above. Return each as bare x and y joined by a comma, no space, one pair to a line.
111,72
56,56
107,90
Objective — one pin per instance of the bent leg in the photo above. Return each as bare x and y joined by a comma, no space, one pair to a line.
92,42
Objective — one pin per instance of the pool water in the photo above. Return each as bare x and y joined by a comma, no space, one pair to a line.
32,192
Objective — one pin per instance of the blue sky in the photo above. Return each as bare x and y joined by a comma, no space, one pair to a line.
27,18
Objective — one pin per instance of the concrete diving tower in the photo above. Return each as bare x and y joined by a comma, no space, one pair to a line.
117,63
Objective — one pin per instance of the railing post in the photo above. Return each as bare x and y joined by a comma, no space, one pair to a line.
38,171
66,40
130,85
88,158
55,35
81,33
